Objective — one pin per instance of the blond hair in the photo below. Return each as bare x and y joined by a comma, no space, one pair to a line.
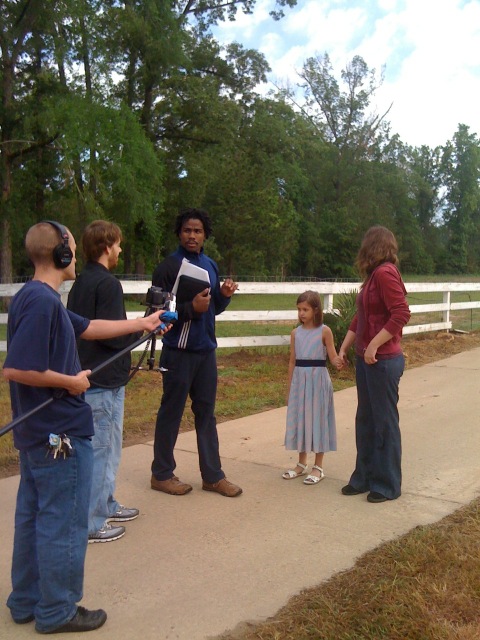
40,241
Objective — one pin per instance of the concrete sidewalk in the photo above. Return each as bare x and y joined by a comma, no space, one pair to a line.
191,567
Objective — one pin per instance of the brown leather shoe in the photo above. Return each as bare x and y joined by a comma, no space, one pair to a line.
224,487
173,486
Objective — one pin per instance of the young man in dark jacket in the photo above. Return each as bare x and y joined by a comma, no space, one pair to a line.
96,293
188,363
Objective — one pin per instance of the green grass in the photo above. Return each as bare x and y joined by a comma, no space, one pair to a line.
422,586
8,454
263,302
239,329
441,278
468,320
433,297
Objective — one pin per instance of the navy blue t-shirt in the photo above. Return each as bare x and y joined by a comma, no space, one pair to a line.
42,335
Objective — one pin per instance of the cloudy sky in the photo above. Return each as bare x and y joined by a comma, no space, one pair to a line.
430,49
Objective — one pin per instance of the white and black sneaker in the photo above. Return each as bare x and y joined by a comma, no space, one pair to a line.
124,514
106,534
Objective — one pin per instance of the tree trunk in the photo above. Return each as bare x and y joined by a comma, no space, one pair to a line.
6,128
6,257
76,172
140,267
89,93
127,258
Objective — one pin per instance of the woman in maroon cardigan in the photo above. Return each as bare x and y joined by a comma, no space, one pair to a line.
382,312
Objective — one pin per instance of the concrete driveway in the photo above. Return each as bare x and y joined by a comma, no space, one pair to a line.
191,567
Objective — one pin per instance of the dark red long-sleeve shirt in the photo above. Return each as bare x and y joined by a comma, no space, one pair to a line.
381,304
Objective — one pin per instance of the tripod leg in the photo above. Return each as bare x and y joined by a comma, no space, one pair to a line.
151,360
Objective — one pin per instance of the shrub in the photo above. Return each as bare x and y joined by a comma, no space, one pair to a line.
340,319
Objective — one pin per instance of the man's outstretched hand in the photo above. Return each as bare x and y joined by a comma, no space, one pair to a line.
228,288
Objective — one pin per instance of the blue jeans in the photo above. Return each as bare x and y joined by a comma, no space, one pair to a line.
377,429
51,535
107,407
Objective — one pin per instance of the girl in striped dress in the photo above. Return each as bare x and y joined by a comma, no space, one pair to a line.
310,412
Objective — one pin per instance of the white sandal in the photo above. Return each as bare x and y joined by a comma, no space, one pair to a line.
314,479
291,473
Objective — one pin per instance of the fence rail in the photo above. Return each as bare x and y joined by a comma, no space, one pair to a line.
327,291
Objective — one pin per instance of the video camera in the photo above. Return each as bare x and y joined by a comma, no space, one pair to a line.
157,298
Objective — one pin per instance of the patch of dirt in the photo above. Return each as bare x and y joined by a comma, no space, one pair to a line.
10,469
429,347
418,349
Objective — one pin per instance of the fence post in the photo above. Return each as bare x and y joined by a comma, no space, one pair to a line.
328,302
446,312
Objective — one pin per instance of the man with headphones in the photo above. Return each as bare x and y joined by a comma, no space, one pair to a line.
56,455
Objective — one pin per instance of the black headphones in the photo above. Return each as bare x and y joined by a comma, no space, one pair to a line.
62,254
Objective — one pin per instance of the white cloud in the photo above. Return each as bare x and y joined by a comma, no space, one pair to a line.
320,29
245,25
388,5
430,49
436,84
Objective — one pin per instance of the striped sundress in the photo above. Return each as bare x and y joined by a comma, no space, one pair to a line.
310,413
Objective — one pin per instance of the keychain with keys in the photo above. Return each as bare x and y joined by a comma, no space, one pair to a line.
59,445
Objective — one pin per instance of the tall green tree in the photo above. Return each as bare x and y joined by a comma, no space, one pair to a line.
199,116
340,163
341,115
461,169
18,57
250,196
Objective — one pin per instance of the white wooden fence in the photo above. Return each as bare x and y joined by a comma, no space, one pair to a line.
326,289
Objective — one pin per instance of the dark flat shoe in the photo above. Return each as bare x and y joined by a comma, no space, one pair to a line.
83,620
374,496
348,490
25,620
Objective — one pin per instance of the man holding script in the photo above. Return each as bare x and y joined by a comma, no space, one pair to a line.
188,360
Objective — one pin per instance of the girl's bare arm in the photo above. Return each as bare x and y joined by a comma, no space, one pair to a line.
291,362
346,344
327,339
